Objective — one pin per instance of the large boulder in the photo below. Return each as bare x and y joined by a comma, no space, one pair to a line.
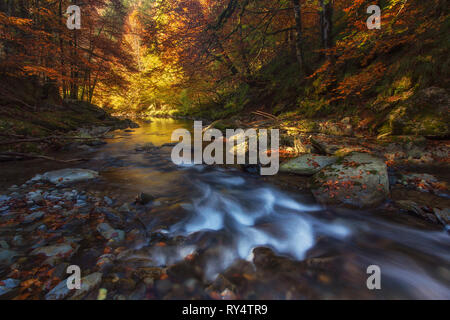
307,164
66,176
358,180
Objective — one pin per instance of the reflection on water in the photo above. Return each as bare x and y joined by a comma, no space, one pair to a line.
244,212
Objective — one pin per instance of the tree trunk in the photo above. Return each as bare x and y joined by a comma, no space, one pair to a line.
326,23
299,38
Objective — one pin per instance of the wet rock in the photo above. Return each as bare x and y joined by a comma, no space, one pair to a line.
144,198
7,287
108,201
88,283
359,180
59,292
424,182
125,208
61,270
33,217
7,256
70,195
411,206
106,261
324,148
35,196
110,233
67,176
61,250
307,164
443,215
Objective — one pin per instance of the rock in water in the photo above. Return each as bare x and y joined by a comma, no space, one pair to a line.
307,164
358,180
33,217
7,287
88,284
7,256
59,292
66,176
144,198
60,249
110,233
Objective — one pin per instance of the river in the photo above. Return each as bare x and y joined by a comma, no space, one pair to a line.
222,214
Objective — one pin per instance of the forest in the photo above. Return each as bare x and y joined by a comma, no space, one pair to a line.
92,90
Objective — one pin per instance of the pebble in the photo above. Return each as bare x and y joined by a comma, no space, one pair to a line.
4,198
108,201
88,284
34,216
110,233
7,256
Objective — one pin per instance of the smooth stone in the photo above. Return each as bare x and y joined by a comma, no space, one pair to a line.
7,256
34,216
110,233
88,283
61,249
359,180
307,164
67,176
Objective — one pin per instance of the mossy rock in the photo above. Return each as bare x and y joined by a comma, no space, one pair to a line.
357,180
426,114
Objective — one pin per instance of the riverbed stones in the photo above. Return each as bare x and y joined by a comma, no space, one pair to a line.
443,215
144,198
59,292
60,250
33,217
7,256
35,196
411,206
358,180
67,176
110,233
88,284
7,286
307,164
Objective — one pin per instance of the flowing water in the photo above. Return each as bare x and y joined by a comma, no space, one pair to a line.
222,214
